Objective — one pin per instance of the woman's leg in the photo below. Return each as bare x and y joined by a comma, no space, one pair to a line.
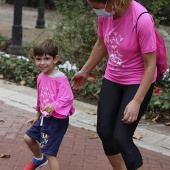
112,102
117,162
108,107
123,133
141,168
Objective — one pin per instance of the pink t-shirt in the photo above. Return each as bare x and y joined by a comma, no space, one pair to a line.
56,91
125,44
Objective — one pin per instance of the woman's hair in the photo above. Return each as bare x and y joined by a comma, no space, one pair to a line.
46,47
118,4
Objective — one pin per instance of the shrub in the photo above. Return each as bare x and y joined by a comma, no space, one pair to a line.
76,34
161,96
4,42
159,9
18,69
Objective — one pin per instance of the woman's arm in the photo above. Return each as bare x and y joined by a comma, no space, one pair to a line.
132,109
98,52
149,71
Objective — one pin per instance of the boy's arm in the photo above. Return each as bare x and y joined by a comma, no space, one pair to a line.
35,118
38,114
64,103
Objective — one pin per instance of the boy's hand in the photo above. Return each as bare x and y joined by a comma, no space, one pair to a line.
32,121
48,108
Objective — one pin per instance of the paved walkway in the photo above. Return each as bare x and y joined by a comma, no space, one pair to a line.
81,148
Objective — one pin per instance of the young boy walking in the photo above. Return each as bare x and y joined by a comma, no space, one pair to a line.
54,104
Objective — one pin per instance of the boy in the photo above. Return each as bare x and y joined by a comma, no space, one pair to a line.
54,104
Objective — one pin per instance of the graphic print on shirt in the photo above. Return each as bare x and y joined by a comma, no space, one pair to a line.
46,95
44,137
113,41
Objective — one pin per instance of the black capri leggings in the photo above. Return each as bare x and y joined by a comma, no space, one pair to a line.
115,135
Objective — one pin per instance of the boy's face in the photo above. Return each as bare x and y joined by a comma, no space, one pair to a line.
46,63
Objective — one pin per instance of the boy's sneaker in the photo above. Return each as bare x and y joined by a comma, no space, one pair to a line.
36,164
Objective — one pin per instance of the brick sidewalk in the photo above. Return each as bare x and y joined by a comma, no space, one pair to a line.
80,150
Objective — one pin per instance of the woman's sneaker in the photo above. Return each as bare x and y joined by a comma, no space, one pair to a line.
35,164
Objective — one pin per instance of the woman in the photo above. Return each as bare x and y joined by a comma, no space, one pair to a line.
129,76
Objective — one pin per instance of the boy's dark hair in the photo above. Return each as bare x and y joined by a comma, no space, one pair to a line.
46,47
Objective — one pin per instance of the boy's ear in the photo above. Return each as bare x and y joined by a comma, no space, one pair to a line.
56,58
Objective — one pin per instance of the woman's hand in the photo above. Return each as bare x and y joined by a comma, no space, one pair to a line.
79,80
98,52
131,112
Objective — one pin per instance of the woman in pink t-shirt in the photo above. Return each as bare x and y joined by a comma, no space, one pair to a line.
129,76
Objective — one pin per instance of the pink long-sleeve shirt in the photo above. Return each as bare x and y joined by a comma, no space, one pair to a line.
57,91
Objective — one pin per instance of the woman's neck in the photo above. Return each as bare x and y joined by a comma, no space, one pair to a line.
121,12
